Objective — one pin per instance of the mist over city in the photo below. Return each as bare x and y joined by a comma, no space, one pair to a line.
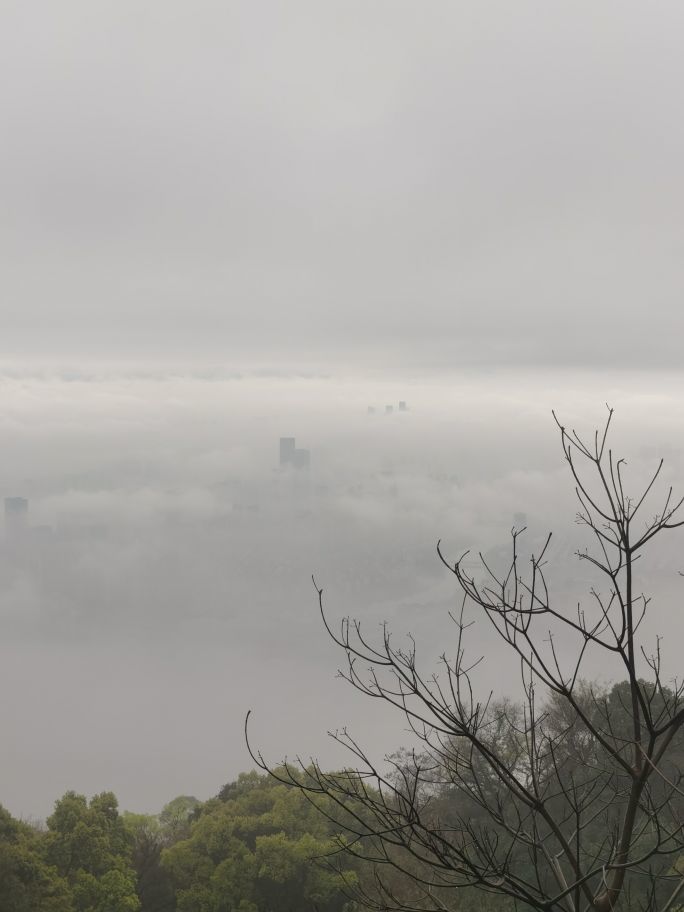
162,532
290,294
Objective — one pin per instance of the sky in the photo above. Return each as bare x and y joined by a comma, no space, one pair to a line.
385,182
223,223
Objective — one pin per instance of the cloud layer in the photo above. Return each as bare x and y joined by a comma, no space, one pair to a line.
174,590
305,183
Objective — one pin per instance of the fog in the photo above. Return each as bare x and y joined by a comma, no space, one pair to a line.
162,586
227,223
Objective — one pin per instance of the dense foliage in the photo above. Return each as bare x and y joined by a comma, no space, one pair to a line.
255,848
258,846
261,846
27,880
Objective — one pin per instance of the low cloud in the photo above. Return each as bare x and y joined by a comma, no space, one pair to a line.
165,577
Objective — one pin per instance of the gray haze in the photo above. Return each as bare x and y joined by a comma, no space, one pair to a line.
384,181
223,223
162,586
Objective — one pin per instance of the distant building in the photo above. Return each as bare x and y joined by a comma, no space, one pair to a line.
371,409
389,409
301,459
402,406
290,455
16,516
287,448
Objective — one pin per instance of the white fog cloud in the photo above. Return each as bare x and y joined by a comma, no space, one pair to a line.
176,582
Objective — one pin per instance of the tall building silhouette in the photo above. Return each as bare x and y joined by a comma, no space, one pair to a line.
287,448
290,455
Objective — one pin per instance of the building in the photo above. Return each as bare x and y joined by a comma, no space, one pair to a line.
402,406
287,448
301,459
291,455
16,516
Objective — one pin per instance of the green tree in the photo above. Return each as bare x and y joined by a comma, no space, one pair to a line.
176,817
255,848
90,847
27,882
153,883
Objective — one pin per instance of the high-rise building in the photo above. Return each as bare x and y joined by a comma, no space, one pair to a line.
290,455
287,448
402,406
301,459
16,516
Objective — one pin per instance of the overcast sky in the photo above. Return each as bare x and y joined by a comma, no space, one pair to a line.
383,181
223,222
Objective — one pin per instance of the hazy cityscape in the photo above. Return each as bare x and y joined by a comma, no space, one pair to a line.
182,529
329,578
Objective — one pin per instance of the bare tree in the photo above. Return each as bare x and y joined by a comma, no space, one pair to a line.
568,799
